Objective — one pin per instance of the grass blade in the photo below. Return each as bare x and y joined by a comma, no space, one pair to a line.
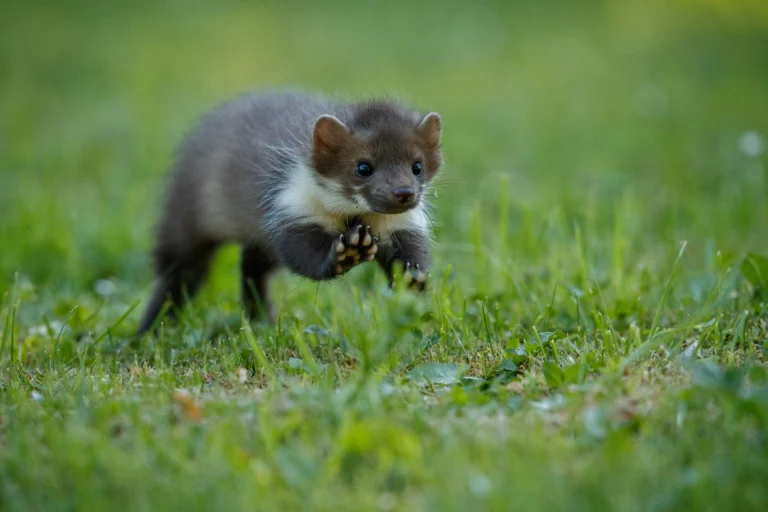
258,353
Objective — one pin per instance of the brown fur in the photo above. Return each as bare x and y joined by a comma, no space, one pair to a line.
390,139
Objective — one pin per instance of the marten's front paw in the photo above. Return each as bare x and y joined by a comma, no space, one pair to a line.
356,246
416,277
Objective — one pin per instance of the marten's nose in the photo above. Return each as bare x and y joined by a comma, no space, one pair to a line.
404,194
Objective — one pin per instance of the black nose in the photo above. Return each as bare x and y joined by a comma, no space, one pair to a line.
404,194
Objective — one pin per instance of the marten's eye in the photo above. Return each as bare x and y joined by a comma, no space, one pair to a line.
416,168
364,169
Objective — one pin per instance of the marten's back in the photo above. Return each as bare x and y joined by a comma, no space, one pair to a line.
233,163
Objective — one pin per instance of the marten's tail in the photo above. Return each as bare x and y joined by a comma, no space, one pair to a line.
179,274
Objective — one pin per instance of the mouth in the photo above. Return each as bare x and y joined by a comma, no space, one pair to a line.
394,209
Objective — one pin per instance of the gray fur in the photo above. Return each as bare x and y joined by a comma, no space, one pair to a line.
229,172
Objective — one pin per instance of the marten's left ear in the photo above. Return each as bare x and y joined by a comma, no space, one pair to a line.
430,128
329,134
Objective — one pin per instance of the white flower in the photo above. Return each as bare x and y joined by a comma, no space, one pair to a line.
751,143
104,287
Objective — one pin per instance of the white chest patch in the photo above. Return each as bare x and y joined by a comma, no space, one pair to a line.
385,225
303,198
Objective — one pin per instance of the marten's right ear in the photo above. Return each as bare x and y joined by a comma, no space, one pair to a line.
330,134
430,128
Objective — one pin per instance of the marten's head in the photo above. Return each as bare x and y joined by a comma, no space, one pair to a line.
382,159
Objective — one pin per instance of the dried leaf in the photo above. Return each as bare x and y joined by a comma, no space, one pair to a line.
187,405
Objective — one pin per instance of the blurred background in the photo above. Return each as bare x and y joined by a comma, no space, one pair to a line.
596,126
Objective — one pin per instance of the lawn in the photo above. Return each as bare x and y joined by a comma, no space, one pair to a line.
597,333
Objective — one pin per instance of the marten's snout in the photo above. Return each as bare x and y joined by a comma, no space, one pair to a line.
404,194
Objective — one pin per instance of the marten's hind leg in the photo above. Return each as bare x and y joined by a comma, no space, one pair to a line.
179,276
256,266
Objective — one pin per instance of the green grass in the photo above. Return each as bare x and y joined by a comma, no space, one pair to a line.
597,335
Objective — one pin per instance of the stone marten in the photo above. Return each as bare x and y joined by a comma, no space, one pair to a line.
304,182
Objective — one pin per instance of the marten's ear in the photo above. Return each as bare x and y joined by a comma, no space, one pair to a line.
329,134
430,128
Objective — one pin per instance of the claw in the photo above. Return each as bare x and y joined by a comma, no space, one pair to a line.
355,236
368,238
